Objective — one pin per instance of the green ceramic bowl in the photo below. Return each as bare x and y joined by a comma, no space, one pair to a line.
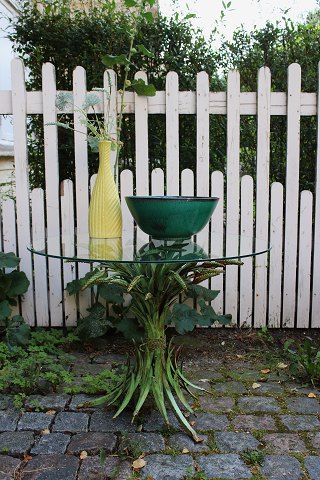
171,217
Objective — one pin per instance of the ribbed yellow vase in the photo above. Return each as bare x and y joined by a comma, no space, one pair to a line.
105,220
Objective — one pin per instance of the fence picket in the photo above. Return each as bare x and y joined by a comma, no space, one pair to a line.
217,235
262,194
142,146
157,182
304,265
315,317
126,189
81,176
172,133
40,262
246,229
67,237
19,110
52,192
9,226
275,262
232,210
202,175
292,195
9,235
110,109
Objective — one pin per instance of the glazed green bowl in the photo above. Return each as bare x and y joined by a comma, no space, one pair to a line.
168,218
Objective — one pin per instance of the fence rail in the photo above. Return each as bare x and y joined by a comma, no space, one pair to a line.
279,289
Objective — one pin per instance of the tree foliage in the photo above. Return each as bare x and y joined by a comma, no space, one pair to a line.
276,47
69,37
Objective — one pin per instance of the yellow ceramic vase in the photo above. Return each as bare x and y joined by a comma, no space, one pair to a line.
105,219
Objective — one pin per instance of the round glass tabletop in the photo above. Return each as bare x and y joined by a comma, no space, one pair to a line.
139,248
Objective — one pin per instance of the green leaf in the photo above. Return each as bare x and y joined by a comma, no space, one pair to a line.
130,3
209,316
142,49
151,2
112,293
76,285
18,332
190,15
148,16
130,329
5,310
5,284
93,144
198,291
183,318
19,283
142,88
95,324
8,260
112,60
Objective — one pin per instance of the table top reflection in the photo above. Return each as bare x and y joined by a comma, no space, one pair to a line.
139,248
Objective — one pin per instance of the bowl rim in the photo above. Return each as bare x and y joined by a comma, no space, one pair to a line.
171,197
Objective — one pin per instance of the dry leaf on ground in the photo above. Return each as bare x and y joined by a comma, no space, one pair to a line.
265,370
256,385
312,395
282,365
83,455
137,464
185,450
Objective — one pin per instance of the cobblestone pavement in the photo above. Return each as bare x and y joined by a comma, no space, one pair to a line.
254,426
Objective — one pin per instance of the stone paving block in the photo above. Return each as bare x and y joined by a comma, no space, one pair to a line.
300,422
253,375
300,390
234,442
179,441
6,401
8,420
155,422
9,467
16,443
166,467
142,442
284,442
47,402
114,468
51,444
35,421
258,404
303,405
312,465
254,422
81,398
71,422
210,421
267,387
92,443
228,387
216,404
51,467
206,373
278,467
102,421
315,440
224,466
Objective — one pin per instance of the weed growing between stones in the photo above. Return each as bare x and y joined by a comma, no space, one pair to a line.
253,457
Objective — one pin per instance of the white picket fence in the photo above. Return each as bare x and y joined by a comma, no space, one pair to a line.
279,289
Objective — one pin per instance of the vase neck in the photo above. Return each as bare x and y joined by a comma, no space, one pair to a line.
104,156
